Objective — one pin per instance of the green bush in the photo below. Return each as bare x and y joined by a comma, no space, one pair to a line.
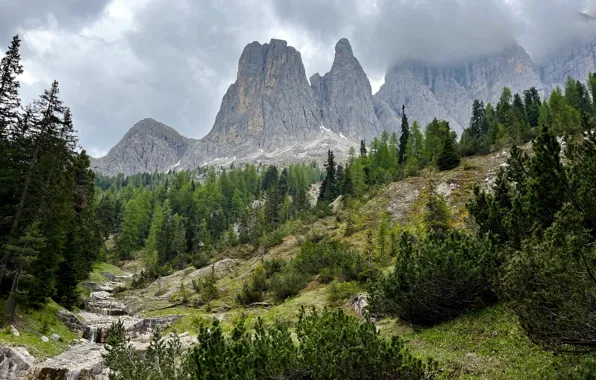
287,283
273,266
337,259
253,290
327,345
339,291
436,279
330,345
551,288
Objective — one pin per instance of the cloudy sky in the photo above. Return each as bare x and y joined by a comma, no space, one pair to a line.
119,61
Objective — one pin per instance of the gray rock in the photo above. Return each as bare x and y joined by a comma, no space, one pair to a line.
44,338
269,105
70,320
577,60
14,331
148,146
447,91
360,303
15,362
345,98
55,337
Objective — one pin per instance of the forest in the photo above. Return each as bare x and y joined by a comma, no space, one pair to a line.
529,241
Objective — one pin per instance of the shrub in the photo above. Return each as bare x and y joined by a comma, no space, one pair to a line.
252,290
338,259
287,283
273,266
339,291
436,279
331,345
550,286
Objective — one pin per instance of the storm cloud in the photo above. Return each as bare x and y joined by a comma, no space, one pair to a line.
119,61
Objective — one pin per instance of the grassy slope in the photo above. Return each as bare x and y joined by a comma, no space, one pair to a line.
32,324
482,345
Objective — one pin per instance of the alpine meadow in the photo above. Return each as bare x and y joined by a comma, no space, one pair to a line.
438,224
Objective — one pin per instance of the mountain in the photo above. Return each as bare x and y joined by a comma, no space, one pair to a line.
147,147
447,91
345,98
271,114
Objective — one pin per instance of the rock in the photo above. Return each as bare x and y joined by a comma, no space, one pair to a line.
55,337
15,362
14,331
148,146
345,98
83,361
359,303
336,204
44,339
70,320
447,91
92,286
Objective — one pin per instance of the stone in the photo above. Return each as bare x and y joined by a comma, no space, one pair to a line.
70,320
55,337
14,331
15,362
360,303
44,338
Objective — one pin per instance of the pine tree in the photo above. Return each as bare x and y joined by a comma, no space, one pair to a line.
547,181
403,139
129,232
329,189
448,158
362,148
10,102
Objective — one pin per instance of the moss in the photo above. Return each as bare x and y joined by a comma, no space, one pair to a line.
32,324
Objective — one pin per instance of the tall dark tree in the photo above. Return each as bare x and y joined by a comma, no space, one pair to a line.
403,139
329,189
10,102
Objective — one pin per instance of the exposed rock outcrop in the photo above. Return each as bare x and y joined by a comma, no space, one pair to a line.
345,98
448,91
147,147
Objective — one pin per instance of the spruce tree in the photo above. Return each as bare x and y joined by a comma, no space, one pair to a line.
403,139
329,189
10,102
448,158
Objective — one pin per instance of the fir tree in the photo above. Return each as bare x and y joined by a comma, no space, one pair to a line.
329,189
403,139
10,102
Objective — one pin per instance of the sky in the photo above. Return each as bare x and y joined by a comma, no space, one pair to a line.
120,61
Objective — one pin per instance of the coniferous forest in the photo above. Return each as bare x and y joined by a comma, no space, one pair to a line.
528,240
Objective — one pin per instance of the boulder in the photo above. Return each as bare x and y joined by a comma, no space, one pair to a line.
14,331
15,362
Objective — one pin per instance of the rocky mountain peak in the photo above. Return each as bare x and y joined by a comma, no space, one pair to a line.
148,146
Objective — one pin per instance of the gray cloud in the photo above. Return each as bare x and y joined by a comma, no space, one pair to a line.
119,61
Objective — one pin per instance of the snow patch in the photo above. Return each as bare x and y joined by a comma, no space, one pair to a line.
325,129
342,136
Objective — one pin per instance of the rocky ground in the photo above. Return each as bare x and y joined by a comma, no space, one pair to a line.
83,360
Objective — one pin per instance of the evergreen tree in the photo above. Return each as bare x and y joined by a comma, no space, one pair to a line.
448,158
10,102
403,139
329,189
129,232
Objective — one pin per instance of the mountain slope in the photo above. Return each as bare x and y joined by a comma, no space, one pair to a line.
447,91
147,147
345,98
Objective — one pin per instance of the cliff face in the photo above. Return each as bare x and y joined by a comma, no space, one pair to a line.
345,98
577,61
147,147
270,104
447,91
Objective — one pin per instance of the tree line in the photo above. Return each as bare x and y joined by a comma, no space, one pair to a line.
49,236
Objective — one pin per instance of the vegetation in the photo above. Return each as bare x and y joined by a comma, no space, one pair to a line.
329,345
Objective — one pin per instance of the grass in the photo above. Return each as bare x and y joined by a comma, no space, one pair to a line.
32,324
488,344
98,268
